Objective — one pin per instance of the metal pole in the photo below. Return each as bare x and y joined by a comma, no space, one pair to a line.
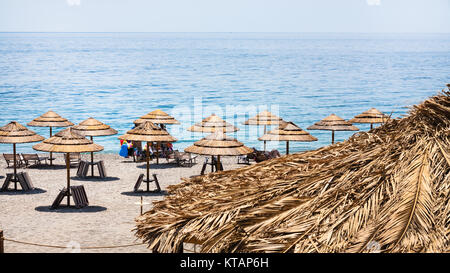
51,154
332,137
92,158
68,178
287,147
2,244
15,167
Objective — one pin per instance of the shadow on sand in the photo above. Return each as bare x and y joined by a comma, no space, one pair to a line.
48,167
162,166
18,192
65,209
144,193
95,179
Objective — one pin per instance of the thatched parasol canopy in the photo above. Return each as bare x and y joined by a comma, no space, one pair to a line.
218,144
288,131
264,118
333,123
385,190
50,119
14,132
370,116
212,124
149,132
68,141
157,117
93,127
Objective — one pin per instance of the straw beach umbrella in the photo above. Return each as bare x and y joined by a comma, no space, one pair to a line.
68,141
218,144
333,123
50,119
212,124
370,116
264,118
14,133
92,127
288,131
157,117
148,132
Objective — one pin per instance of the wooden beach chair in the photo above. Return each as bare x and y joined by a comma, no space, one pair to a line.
9,158
28,158
83,168
184,158
22,178
59,199
101,169
79,196
25,181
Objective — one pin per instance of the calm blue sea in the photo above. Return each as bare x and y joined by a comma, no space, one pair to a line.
118,77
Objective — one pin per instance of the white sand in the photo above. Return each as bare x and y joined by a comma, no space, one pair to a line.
109,219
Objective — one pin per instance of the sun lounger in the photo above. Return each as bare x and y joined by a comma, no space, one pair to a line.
79,196
243,159
28,158
9,158
101,169
184,158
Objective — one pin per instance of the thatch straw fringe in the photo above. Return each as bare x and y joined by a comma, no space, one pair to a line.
15,132
157,117
67,141
93,127
50,119
389,187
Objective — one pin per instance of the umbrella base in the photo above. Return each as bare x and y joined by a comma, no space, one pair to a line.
22,178
76,192
147,181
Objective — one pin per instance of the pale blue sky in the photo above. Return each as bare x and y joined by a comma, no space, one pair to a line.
225,15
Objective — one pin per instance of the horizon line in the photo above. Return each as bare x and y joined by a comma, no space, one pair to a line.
274,32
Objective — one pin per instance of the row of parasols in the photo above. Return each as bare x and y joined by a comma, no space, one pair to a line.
72,140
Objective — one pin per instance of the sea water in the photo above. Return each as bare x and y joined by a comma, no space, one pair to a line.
118,77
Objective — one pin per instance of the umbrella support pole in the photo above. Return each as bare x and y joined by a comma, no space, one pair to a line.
15,167
265,129
332,137
92,159
68,178
157,153
51,154
218,164
287,147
